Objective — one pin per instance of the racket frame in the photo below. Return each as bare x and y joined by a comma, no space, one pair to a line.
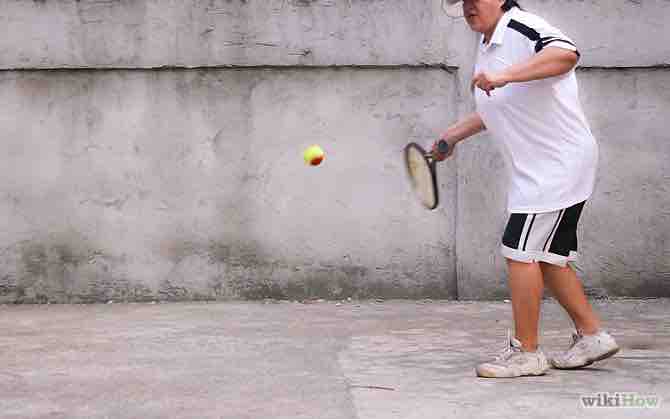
431,164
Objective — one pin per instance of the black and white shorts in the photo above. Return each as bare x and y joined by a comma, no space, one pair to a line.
545,237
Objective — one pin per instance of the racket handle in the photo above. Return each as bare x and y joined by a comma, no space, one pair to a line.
443,147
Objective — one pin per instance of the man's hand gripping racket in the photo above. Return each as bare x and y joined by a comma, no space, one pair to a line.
421,170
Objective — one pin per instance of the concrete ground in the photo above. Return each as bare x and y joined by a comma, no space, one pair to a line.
392,359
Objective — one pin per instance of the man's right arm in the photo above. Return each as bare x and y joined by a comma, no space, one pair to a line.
465,128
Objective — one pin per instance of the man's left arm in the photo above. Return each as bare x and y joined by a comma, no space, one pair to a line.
550,62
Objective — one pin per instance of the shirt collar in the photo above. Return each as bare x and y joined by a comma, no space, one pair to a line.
499,32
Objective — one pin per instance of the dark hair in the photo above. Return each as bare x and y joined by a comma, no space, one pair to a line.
509,4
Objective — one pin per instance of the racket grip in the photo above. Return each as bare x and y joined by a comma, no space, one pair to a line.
443,147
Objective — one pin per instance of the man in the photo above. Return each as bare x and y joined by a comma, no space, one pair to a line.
526,94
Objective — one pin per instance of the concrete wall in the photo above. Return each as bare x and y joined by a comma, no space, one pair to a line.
191,184
152,150
190,33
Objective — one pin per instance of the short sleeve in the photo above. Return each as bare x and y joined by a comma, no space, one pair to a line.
550,36
542,35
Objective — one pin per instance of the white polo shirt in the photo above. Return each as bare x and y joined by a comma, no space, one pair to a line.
548,146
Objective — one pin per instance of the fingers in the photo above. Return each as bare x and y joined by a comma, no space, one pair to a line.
478,82
482,81
435,152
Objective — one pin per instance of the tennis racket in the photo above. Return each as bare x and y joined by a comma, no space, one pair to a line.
421,172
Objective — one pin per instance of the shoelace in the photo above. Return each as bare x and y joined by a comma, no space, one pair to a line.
509,349
576,337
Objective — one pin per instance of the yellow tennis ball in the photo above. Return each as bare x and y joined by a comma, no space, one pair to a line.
313,155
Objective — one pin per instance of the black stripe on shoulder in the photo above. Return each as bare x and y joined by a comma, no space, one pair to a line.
543,42
534,36
527,31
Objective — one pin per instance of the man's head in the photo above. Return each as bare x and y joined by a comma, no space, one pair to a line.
482,15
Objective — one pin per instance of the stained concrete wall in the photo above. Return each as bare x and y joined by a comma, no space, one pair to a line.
191,184
131,175
154,33
151,33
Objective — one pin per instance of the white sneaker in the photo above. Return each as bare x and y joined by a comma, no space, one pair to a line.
514,362
585,350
